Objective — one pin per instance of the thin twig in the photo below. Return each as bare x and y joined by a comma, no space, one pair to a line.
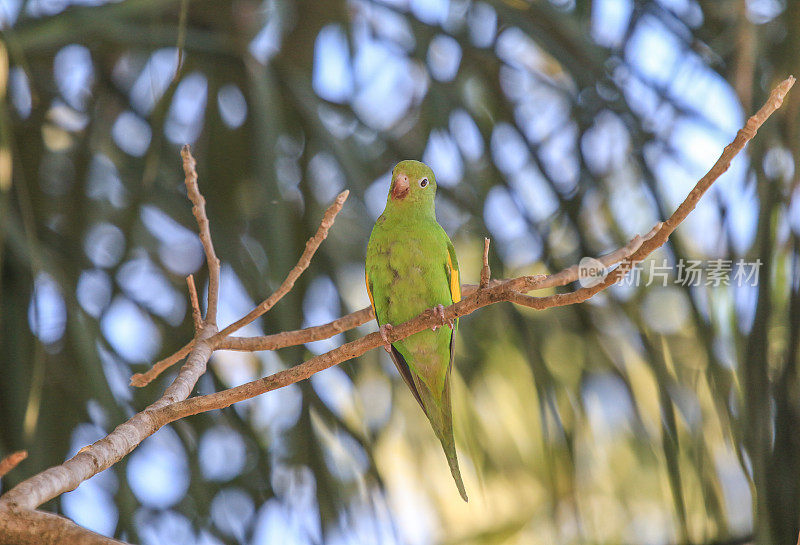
661,232
571,274
197,316
302,264
300,336
486,272
199,211
141,380
11,461
744,135
272,342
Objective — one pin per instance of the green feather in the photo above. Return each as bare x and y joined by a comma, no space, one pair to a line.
410,264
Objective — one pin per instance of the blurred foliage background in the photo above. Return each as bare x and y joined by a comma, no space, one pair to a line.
652,414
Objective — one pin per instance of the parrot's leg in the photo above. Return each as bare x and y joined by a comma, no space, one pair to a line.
438,310
385,329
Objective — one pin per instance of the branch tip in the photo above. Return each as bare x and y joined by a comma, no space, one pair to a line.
486,272
140,380
197,316
11,461
199,211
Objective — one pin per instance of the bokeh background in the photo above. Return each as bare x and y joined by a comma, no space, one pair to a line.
648,415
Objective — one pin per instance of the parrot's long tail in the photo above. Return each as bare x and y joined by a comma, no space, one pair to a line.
439,413
449,446
440,416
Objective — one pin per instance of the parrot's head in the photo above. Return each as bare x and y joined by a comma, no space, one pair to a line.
413,184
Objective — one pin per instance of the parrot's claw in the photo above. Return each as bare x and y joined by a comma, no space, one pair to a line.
438,311
385,329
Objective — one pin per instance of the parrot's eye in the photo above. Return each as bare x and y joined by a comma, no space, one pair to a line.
423,183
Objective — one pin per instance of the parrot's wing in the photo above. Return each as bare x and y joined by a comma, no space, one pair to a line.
452,272
397,357
369,293
405,372
455,292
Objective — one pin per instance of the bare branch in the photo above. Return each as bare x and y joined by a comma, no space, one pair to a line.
29,527
279,340
11,461
199,211
302,264
661,232
744,135
300,336
486,272
107,451
197,316
572,273
104,453
143,379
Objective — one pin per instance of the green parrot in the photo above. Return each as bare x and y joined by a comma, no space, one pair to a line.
411,266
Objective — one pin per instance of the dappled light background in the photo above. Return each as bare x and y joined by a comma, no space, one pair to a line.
658,412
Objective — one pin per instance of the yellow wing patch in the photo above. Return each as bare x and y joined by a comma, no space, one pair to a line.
455,285
369,291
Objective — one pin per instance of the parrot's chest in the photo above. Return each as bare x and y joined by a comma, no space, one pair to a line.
412,260
408,274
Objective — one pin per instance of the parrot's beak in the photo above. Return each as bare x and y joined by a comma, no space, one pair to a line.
399,187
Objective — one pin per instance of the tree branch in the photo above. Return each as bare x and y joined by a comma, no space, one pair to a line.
143,379
486,272
28,527
199,211
104,453
197,316
473,300
302,264
299,336
11,461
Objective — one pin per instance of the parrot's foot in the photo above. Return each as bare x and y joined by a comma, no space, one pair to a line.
385,329
438,311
